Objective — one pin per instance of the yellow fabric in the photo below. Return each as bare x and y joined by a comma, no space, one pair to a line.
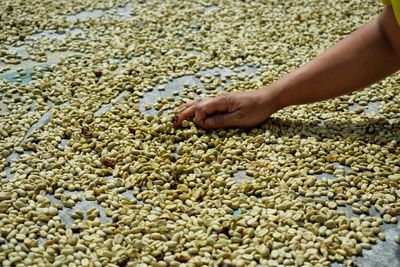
396,7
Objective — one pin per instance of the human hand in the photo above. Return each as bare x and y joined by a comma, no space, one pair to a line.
243,110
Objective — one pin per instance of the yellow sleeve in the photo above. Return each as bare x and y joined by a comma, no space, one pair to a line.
396,7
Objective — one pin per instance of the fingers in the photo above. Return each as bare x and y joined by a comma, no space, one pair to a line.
221,121
201,109
205,108
219,104
186,105
184,111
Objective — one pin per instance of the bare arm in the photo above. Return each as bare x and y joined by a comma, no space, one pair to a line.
367,55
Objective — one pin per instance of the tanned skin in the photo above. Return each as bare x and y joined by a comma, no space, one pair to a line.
366,56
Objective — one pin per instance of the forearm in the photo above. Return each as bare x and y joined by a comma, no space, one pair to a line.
364,57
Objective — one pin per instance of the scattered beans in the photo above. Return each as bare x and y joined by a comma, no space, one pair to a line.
227,197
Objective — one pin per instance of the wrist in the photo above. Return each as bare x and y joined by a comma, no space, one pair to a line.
273,96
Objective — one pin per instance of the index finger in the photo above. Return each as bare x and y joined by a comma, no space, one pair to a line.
186,111
212,105
186,114
203,108
185,106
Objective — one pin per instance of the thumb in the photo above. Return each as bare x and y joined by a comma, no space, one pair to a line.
220,121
